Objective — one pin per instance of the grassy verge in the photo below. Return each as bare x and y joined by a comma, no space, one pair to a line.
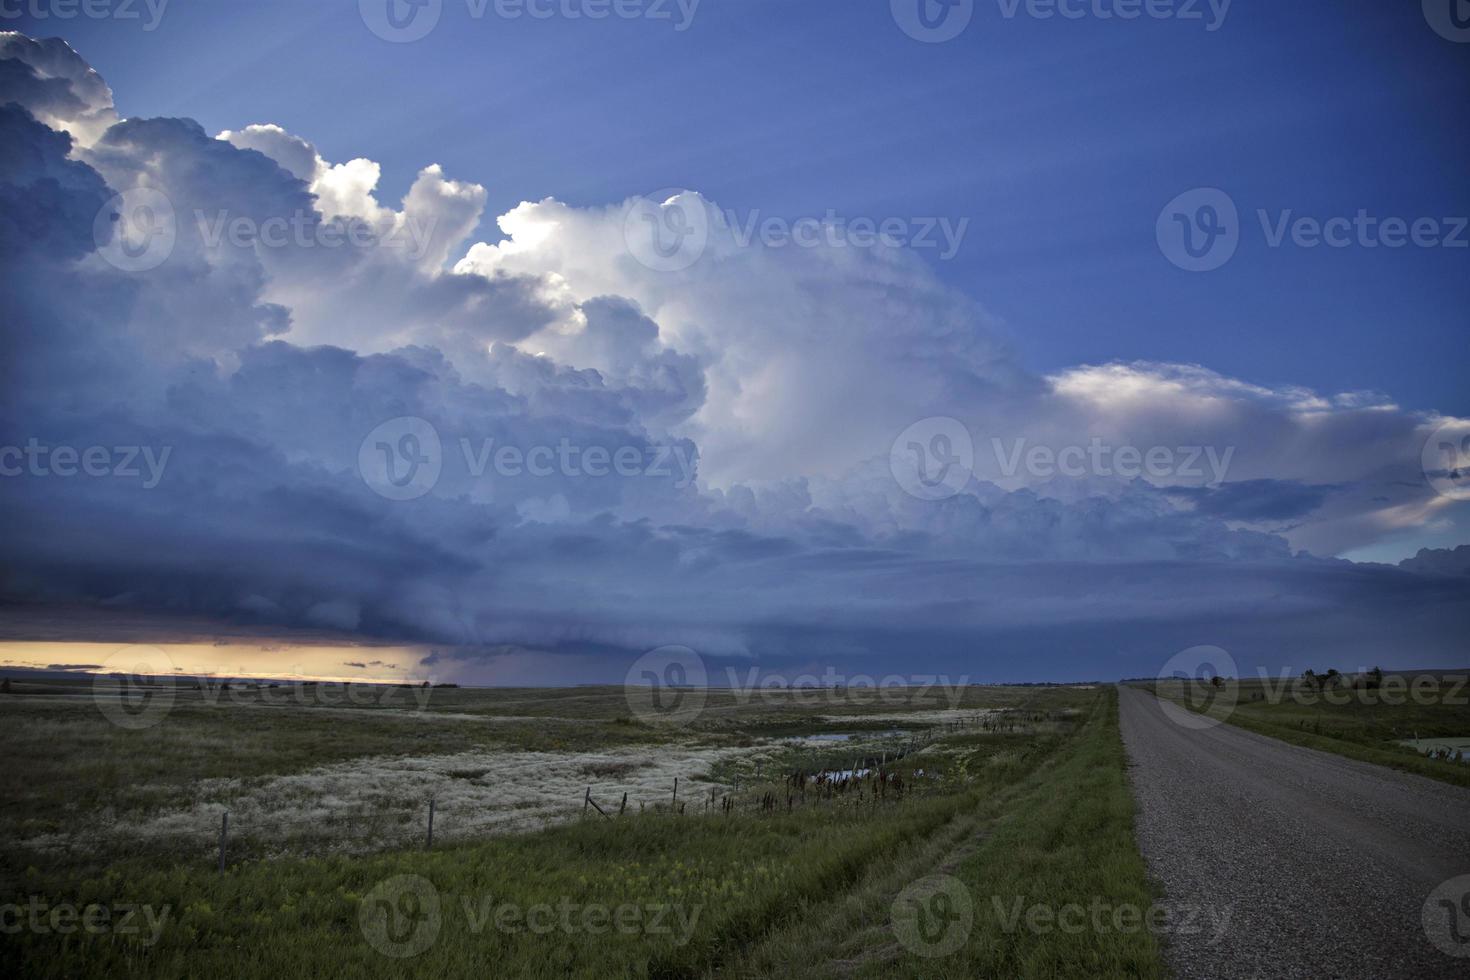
1066,843
1063,836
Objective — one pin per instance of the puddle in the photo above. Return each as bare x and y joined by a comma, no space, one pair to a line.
1459,748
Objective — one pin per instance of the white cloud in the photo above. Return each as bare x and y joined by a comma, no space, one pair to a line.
782,376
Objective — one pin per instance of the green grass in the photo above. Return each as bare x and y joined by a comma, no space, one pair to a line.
1036,806
1061,835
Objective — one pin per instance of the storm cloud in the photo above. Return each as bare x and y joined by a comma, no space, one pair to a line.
600,455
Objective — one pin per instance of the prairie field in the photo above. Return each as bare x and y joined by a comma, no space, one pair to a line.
807,831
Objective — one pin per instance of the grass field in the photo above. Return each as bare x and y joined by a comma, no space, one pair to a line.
1359,722
1010,798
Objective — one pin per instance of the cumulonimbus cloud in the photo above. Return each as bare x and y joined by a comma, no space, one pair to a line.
772,381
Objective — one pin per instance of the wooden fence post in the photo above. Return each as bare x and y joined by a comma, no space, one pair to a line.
429,842
587,799
224,829
676,792
624,805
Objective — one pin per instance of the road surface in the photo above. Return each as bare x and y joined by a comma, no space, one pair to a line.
1288,862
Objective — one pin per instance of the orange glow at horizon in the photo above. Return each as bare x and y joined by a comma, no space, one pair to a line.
236,659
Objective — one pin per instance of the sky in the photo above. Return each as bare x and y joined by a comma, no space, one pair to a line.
1035,310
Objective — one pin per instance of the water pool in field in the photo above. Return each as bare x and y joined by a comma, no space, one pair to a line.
849,736
1459,745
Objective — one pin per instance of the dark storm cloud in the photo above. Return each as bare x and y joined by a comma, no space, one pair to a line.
1256,500
242,502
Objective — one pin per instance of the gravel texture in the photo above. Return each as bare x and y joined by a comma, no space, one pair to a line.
1322,864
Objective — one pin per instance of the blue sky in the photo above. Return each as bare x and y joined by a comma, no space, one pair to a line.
840,452
1060,140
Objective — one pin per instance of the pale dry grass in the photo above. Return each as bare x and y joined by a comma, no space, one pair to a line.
365,802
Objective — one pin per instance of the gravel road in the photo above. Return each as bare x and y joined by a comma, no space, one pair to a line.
1293,862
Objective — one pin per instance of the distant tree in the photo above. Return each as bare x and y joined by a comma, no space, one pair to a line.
1217,681
1375,678
5,686
1309,676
